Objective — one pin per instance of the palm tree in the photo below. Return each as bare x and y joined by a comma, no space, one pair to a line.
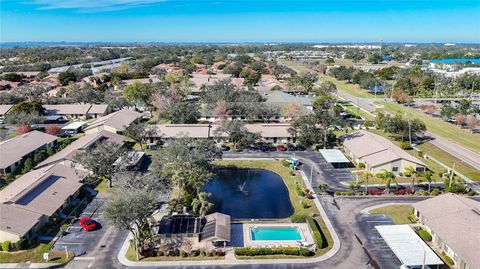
428,176
389,176
201,204
412,172
367,175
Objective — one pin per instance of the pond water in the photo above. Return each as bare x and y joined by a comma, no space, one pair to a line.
250,194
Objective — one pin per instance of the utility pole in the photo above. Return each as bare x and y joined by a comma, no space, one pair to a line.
409,129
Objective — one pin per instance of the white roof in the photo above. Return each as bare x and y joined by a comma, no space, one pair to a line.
409,248
333,156
74,125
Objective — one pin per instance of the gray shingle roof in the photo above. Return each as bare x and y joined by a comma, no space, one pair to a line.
15,149
118,120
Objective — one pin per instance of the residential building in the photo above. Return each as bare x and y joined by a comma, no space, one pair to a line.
115,122
272,133
77,111
14,151
67,155
201,80
27,203
453,221
379,154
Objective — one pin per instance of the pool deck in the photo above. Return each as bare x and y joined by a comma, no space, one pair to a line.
303,228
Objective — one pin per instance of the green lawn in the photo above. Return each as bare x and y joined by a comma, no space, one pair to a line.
449,159
291,183
439,126
35,255
398,213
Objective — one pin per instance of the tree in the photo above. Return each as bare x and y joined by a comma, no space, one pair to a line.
389,177
399,126
66,77
221,109
329,61
401,97
23,129
28,107
139,93
52,129
326,88
237,133
139,132
180,112
100,158
306,80
131,209
448,111
27,165
4,133
305,129
472,122
24,118
460,119
13,77
413,173
375,58
186,164
201,204
367,175
294,110
428,177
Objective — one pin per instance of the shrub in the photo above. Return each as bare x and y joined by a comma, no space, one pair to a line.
292,173
183,253
412,218
211,253
375,191
203,253
317,234
420,154
405,145
361,165
160,253
300,192
194,253
7,246
293,251
472,193
305,205
447,259
425,235
21,244
298,218
285,163
435,192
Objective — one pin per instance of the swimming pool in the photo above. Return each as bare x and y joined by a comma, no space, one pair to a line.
275,233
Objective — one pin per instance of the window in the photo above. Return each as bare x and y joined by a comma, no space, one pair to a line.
395,169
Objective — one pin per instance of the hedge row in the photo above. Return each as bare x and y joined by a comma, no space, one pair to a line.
273,251
9,246
317,234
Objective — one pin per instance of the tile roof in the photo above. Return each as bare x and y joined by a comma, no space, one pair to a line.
376,150
456,220
15,149
118,120
82,143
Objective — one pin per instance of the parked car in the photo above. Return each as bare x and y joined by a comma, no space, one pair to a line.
224,147
281,148
265,148
88,224
301,148
291,147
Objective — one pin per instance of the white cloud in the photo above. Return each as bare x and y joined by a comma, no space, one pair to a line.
93,5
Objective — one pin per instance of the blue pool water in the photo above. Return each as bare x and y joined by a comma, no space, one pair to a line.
275,233
457,60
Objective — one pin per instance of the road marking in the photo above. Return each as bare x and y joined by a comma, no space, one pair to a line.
67,243
379,221
90,264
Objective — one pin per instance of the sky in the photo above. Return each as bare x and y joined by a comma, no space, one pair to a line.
240,21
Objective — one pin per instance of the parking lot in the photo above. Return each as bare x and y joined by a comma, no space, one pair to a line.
78,240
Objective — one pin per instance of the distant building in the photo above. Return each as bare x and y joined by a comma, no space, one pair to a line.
14,151
27,203
379,154
77,111
201,80
453,221
115,122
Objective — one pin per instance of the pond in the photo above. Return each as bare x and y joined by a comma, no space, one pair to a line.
250,194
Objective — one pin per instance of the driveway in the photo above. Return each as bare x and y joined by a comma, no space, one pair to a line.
80,241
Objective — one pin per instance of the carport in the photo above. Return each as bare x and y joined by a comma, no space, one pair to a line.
335,157
408,246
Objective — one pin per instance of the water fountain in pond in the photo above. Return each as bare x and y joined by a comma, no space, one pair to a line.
242,188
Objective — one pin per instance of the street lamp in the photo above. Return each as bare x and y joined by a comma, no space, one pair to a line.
209,127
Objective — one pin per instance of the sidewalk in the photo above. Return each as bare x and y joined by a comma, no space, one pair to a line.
231,260
29,265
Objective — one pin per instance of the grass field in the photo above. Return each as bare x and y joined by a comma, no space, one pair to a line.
291,183
439,127
449,159
35,255
398,213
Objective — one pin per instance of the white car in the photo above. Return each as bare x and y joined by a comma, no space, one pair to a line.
414,267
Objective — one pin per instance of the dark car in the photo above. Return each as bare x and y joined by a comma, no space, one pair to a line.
224,148
291,147
88,224
265,148
301,148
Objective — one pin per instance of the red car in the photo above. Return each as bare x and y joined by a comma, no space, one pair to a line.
88,224
281,148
